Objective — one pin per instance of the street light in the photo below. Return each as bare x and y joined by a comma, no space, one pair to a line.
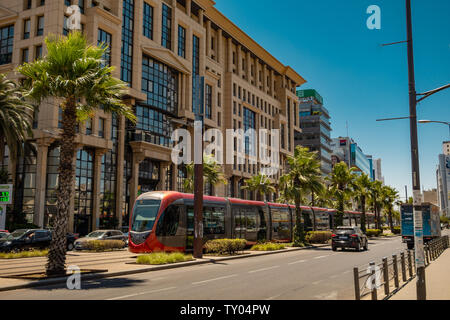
432,121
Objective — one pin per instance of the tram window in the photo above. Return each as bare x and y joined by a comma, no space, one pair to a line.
168,224
214,220
144,215
251,220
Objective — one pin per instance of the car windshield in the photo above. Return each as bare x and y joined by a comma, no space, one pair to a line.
345,230
95,234
16,234
144,215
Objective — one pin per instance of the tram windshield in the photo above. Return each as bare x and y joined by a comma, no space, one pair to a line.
144,215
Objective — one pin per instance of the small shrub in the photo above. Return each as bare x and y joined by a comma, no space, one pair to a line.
225,246
373,232
103,245
159,258
268,246
24,254
318,236
397,230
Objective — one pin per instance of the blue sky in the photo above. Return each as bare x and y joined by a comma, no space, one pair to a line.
328,43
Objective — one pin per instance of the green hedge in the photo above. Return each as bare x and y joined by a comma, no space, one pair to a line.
373,232
103,245
23,254
158,258
270,246
318,236
225,246
397,230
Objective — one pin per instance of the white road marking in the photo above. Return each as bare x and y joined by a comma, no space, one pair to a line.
320,257
141,293
317,282
295,262
334,276
215,279
264,269
274,297
345,272
328,296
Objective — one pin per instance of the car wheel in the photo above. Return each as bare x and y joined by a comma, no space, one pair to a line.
70,247
358,247
366,247
333,248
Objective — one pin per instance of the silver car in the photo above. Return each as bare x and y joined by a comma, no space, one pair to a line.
100,235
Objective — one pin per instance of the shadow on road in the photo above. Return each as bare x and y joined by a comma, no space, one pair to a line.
92,284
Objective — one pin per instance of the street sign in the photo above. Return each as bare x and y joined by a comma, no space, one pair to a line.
6,194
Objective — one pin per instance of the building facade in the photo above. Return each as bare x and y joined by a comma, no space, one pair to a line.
443,184
345,149
316,127
161,49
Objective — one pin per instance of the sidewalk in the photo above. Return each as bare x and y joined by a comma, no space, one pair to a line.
113,264
437,277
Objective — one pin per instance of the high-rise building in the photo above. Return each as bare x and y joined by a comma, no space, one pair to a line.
377,170
316,127
345,149
160,48
430,196
446,148
443,184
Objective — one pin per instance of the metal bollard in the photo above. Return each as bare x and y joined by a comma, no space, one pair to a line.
356,279
402,260
395,264
386,276
427,253
410,264
374,283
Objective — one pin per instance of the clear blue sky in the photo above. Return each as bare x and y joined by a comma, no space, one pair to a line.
328,43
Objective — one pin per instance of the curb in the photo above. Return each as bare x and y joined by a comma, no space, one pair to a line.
41,283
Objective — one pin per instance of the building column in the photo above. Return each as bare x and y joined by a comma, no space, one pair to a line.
120,170
249,66
200,17
219,46
239,60
41,179
188,7
208,38
163,167
230,54
264,80
97,188
138,157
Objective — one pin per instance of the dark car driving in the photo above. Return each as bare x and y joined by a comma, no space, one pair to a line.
349,237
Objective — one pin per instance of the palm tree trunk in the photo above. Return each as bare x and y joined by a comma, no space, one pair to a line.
57,251
363,214
391,225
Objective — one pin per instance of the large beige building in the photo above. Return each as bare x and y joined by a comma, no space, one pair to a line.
160,48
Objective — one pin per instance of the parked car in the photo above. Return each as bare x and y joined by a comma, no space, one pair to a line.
71,238
126,235
101,235
23,239
349,237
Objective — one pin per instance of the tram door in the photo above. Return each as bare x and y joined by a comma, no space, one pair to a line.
239,223
190,228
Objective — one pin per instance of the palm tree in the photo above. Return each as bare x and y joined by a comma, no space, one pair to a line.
260,184
212,172
389,196
376,200
361,191
341,181
321,200
16,118
303,177
73,71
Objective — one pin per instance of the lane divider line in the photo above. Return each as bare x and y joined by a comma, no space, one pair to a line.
141,293
215,279
264,269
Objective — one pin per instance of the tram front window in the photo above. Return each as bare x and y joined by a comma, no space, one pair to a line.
144,215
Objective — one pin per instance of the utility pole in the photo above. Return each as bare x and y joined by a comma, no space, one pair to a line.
418,219
198,168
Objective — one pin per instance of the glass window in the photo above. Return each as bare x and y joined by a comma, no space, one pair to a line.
168,222
101,127
40,26
144,215
148,20
214,220
249,123
105,38
166,31
38,54
25,55
126,64
208,101
89,126
26,28
81,5
181,41
195,70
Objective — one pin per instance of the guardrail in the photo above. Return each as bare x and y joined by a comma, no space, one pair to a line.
389,276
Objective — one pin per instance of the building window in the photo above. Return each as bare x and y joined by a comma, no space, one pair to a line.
181,41
249,123
148,20
195,72
40,26
105,38
38,54
101,127
160,83
126,65
81,5
208,101
84,188
65,27
67,3
219,119
219,99
152,126
25,55
166,31
42,3
26,28
27,4
89,126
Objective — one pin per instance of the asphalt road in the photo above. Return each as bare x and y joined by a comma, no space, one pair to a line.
316,273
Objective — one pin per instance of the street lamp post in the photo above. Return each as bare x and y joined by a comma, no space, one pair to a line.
432,121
